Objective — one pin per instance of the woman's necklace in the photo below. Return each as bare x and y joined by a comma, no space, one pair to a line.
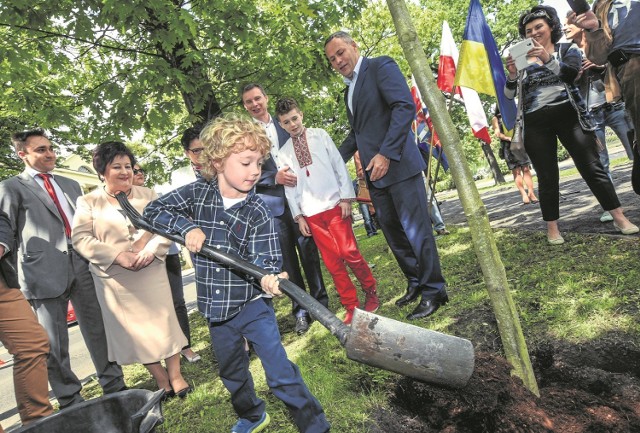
113,195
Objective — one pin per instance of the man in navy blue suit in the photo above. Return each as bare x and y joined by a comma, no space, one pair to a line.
380,111
270,188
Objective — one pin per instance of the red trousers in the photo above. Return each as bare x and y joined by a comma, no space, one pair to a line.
27,341
339,249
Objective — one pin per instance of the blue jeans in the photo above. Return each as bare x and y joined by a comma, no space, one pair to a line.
367,219
615,117
434,212
257,323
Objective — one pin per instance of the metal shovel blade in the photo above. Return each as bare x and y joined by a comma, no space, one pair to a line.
422,354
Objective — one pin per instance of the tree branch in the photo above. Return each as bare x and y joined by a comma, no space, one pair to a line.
94,43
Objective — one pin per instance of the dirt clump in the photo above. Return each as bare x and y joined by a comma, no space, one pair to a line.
574,398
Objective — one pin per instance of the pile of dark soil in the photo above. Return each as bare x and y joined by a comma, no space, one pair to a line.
587,388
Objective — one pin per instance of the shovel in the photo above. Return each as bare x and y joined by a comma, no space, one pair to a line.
422,354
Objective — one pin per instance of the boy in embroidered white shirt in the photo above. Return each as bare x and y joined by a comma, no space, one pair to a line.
321,204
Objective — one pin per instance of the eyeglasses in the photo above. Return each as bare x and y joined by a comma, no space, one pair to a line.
138,171
196,151
533,15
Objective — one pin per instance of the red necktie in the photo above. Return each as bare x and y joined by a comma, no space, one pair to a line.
46,177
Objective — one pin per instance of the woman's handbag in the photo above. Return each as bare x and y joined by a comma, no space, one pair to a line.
587,122
517,141
363,192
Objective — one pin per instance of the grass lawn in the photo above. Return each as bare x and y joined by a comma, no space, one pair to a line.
586,290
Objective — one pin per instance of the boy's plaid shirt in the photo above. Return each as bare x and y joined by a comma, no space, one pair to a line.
245,229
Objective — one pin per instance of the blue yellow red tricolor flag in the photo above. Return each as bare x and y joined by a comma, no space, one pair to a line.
446,75
480,66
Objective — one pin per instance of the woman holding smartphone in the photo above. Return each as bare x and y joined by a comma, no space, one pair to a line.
553,109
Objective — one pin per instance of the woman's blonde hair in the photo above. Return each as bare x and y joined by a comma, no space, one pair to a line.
230,134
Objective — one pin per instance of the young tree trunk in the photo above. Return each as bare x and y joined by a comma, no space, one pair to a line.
493,164
484,243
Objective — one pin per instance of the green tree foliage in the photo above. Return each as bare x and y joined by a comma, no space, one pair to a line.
91,70
110,69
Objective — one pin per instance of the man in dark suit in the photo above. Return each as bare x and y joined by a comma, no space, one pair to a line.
271,189
380,111
50,272
23,337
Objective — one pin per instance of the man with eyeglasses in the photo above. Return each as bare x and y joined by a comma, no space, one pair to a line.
40,207
270,188
190,142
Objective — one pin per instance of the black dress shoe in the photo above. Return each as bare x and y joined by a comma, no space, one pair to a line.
427,307
168,395
302,325
412,294
183,392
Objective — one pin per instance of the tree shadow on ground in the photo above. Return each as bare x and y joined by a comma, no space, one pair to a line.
579,209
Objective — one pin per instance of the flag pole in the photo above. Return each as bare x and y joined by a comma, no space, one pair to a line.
435,178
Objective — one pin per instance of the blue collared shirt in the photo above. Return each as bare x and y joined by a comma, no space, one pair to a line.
245,229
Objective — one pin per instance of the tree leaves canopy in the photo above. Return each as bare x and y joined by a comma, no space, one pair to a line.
90,70
111,69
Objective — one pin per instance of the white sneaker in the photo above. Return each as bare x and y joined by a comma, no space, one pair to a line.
606,217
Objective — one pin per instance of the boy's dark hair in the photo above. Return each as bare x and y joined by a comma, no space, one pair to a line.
19,139
284,105
546,13
251,86
105,153
189,135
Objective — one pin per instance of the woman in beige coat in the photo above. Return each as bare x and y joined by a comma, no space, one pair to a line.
128,270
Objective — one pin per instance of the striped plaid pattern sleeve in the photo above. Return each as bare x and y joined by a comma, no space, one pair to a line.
173,212
246,229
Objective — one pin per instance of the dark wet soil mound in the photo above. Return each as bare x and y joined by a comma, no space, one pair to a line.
594,389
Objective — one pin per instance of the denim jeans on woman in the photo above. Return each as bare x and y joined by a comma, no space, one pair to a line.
615,117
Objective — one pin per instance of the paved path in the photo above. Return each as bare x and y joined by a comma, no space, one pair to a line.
579,210
80,363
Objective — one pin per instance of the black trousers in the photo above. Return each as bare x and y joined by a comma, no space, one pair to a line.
404,219
174,271
542,129
290,240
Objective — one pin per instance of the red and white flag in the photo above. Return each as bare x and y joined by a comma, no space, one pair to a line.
446,76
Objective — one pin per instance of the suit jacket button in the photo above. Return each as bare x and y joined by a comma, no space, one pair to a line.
64,252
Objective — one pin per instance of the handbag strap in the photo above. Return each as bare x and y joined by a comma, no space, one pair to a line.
519,111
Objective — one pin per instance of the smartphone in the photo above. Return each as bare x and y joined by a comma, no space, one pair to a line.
579,6
519,53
